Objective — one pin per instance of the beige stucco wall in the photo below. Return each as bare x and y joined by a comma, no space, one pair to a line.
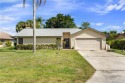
66,35
104,43
40,40
72,42
88,34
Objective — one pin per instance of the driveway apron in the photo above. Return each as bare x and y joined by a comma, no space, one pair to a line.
110,67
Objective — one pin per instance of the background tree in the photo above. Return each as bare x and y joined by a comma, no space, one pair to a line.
112,35
35,5
39,22
113,32
124,31
29,23
105,32
60,21
85,25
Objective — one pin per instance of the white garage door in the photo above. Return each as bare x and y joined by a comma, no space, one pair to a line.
88,44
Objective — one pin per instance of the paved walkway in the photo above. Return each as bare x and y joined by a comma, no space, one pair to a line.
110,67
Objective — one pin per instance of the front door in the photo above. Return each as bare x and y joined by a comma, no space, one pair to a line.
66,43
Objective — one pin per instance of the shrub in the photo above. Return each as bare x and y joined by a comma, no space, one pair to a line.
117,44
110,42
11,48
15,44
1,43
30,46
8,43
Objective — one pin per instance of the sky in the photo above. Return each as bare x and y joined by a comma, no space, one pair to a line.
103,15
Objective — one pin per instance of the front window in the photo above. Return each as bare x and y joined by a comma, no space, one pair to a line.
20,41
2,40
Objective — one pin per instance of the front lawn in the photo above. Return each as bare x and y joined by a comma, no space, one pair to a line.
45,66
119,51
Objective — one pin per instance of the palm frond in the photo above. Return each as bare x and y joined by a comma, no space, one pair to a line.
40,2
24,2
37,3
44,2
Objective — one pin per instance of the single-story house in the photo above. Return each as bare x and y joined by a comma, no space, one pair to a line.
121,36
5,37
79,39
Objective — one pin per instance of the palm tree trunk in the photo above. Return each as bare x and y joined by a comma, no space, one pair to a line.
34,26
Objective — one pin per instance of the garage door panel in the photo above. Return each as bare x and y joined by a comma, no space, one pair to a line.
88,44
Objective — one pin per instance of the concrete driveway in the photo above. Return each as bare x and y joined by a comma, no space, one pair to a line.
110,67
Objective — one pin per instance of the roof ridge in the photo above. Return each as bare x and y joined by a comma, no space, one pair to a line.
5,33
53,28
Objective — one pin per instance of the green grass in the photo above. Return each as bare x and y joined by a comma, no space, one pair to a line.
45,66
119,51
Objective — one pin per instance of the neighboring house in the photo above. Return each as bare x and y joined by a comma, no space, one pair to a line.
5,37
121,36
86,39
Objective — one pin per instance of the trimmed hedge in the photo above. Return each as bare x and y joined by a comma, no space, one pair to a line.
117,44
30,46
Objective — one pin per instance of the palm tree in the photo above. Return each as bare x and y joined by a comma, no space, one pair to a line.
39,22
36,3
29,23
20,26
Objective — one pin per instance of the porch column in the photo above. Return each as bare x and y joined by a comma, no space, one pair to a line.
62,42
17,41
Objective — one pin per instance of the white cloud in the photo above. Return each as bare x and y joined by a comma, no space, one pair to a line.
10,30
7,1
123,9
6,18
14,8
123,23
107,7
20,5
113,27
58,6
97,24
110,7
121,4
65,5
118,6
